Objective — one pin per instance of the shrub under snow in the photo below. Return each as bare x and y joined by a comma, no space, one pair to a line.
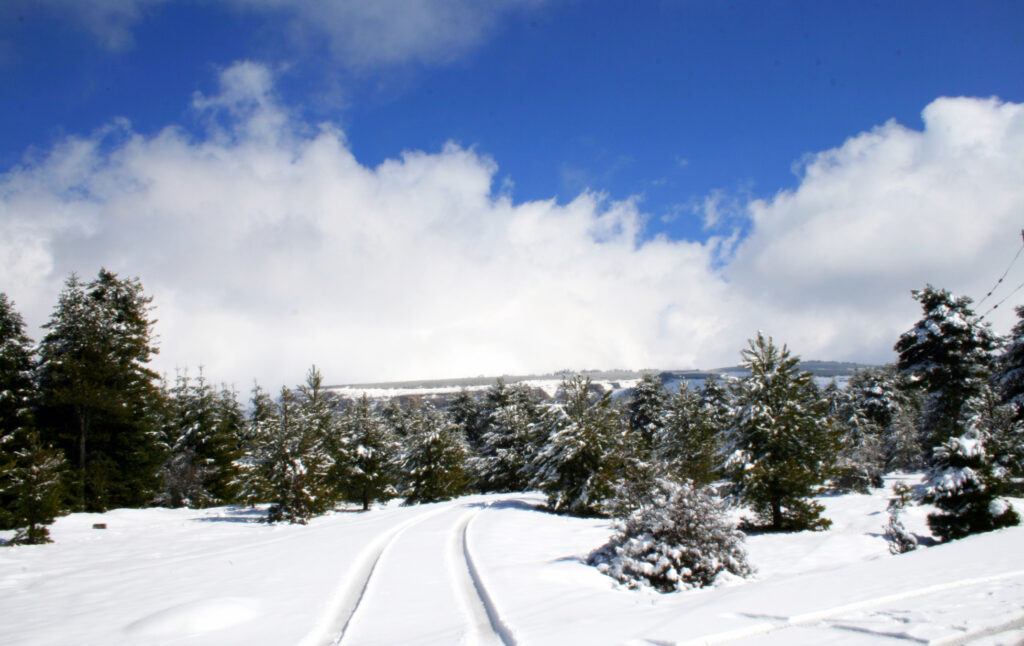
678,538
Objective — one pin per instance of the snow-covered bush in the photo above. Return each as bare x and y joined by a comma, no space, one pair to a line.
965,487
900,540
678,538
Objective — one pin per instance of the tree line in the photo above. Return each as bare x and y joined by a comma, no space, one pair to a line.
86,425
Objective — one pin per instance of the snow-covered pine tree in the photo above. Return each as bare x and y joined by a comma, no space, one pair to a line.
645,411
948,354
372,452
260,436
783,442
966,485
689,440
17,392
300,475
203,432
99,401
469,415
506,448
679,537
860,460
578,465
435,461
1009,374
900,540
884,398
33,483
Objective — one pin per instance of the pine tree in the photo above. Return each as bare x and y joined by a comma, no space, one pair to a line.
884,398
948,354
506,448
966,486
470,416
900,540
860,461
689,440
100,403
1009,375
577,467
17,392
372,452
679,537
203,433
254,466
435,462
34,485
300,470
645,410
783,444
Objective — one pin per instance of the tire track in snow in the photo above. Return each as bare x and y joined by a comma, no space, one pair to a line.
345,604
807,618
486,625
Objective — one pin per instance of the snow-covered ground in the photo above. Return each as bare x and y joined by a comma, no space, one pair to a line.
489,570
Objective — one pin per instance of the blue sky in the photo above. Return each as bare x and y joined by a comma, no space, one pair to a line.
693,119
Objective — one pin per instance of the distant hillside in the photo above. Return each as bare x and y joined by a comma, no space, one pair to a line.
440,391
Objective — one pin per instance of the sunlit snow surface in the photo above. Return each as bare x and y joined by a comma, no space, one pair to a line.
489,570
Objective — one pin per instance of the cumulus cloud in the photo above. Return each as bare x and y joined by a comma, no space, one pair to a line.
268,247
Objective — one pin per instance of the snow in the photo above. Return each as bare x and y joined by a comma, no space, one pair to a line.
490,570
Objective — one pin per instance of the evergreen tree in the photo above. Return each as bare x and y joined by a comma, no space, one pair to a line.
883,397
679,537
689,440
783,445
506,448
436,459
1009,375
254,467
948,354
17,392
369,472
470,416
34,484
645,410
966,485
300,463
860,461
203,433
99,401
577,467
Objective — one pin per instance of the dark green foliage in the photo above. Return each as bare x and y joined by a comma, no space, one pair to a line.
203,431
948,354
33,483
259,437
583,454
883,398
689,440
966,488
507,446
299,463
435,463
645,411
17,392
368,473
467,412
1009,375
783,442
100,403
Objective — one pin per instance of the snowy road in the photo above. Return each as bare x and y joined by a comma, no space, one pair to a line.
488,570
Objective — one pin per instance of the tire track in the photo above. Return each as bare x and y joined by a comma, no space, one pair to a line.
346,602
486,624
807,618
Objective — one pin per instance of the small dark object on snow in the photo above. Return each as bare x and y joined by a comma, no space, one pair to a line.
99,525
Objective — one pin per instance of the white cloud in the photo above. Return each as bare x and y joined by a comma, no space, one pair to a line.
269,247
111,21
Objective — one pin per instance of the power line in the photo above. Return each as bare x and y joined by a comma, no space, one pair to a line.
1000,281
993,308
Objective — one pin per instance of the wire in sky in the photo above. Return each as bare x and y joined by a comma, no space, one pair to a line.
1000,281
